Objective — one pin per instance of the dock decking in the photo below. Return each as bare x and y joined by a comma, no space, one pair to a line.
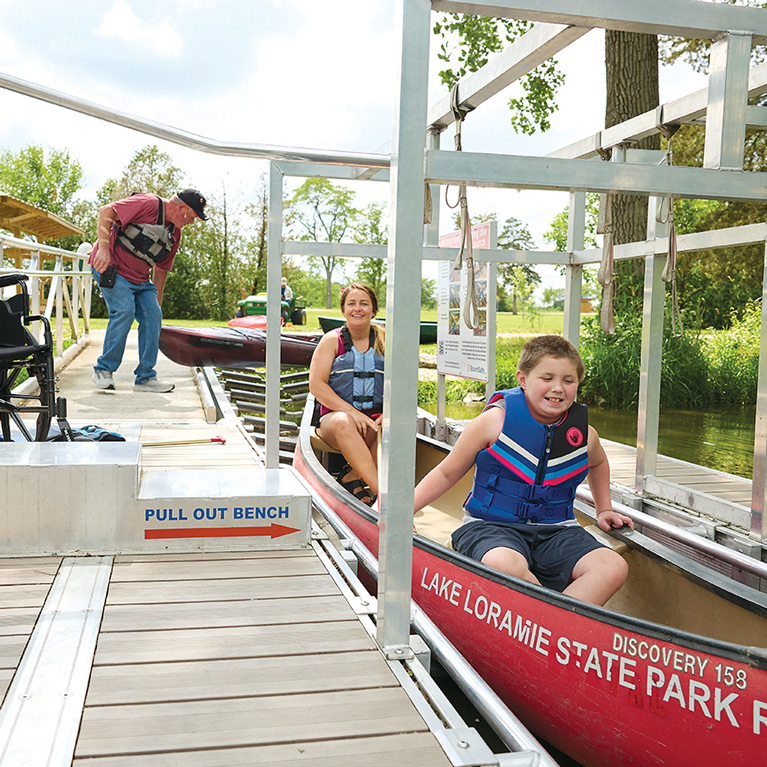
235,658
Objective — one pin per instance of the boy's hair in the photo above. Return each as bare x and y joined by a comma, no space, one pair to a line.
549,346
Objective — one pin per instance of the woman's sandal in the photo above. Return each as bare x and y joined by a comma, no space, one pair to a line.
356,487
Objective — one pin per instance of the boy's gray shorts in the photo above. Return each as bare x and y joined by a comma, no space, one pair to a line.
551,551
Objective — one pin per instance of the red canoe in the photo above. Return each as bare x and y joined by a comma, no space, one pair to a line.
674,673
232,347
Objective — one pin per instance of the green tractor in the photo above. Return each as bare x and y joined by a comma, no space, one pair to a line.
292,311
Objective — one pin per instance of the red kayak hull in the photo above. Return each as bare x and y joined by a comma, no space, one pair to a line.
605,688
231,347
253,321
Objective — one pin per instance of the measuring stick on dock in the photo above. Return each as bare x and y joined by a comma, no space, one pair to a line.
215,440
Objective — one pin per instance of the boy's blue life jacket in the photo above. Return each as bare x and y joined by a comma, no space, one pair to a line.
531,472
150,242
356,376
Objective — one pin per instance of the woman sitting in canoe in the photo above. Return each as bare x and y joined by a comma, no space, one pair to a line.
531,447
346,378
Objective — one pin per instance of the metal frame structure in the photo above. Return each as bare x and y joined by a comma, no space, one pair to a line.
416,161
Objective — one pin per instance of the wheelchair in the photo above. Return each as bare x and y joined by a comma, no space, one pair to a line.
20,351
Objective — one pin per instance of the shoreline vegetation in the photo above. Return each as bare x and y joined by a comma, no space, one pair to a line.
703,368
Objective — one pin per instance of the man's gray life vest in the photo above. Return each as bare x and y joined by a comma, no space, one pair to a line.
150,242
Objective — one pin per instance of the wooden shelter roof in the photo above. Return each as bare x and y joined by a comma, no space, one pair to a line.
22,218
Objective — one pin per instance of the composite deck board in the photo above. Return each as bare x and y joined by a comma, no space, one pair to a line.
204,556
236,452
220,614
6,674
207,570
231,642
219,589
400,750
24,586
242,677
11,649
228,660
18,620
289,719
29,570
726,487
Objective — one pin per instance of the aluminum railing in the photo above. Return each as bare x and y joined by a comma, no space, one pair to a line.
60,287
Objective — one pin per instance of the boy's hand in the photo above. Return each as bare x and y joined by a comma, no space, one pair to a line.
612,520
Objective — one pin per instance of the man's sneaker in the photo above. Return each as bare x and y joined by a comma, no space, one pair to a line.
155,385
103,379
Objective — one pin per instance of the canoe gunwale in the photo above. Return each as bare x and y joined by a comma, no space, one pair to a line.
755,657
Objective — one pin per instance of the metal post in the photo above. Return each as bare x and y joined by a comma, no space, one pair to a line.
727,101
34,293
397,470
576,229
273,313
758,484
648,413
59,283
491,318
433,137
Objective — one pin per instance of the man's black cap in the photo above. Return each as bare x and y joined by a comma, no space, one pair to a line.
195,201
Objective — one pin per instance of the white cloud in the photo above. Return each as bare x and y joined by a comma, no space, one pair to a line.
121,23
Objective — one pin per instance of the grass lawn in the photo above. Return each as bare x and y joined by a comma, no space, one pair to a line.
545,322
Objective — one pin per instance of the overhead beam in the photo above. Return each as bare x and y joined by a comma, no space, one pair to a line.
518,172
678,18
533,48
678,112
333,249
340,172
185,138
715,239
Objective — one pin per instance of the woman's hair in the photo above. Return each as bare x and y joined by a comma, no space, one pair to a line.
379,331
549,346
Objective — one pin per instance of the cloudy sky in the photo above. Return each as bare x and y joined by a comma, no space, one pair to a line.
285,72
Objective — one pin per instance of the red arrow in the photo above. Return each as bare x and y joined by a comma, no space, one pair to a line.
273,531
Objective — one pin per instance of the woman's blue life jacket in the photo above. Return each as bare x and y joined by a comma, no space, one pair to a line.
531,472
356,376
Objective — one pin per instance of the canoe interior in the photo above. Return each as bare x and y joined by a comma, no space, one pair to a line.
655,590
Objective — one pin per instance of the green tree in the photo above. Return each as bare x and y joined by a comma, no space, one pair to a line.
258,210
372,228
149,170
428,294
320,211
467,44
515,235
48,179
213,267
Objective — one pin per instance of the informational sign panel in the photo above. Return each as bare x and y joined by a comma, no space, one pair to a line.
461,350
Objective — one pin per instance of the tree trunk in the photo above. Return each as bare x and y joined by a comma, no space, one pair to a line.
631,65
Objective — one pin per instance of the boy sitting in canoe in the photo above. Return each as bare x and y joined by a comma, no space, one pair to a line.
532,446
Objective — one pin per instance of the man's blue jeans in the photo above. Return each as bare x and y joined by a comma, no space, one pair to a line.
127,301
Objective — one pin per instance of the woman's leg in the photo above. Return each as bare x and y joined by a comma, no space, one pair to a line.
340,431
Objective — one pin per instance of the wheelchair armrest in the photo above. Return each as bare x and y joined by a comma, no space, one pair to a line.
46,324
12,279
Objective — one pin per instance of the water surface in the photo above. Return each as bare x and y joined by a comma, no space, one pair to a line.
718,439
